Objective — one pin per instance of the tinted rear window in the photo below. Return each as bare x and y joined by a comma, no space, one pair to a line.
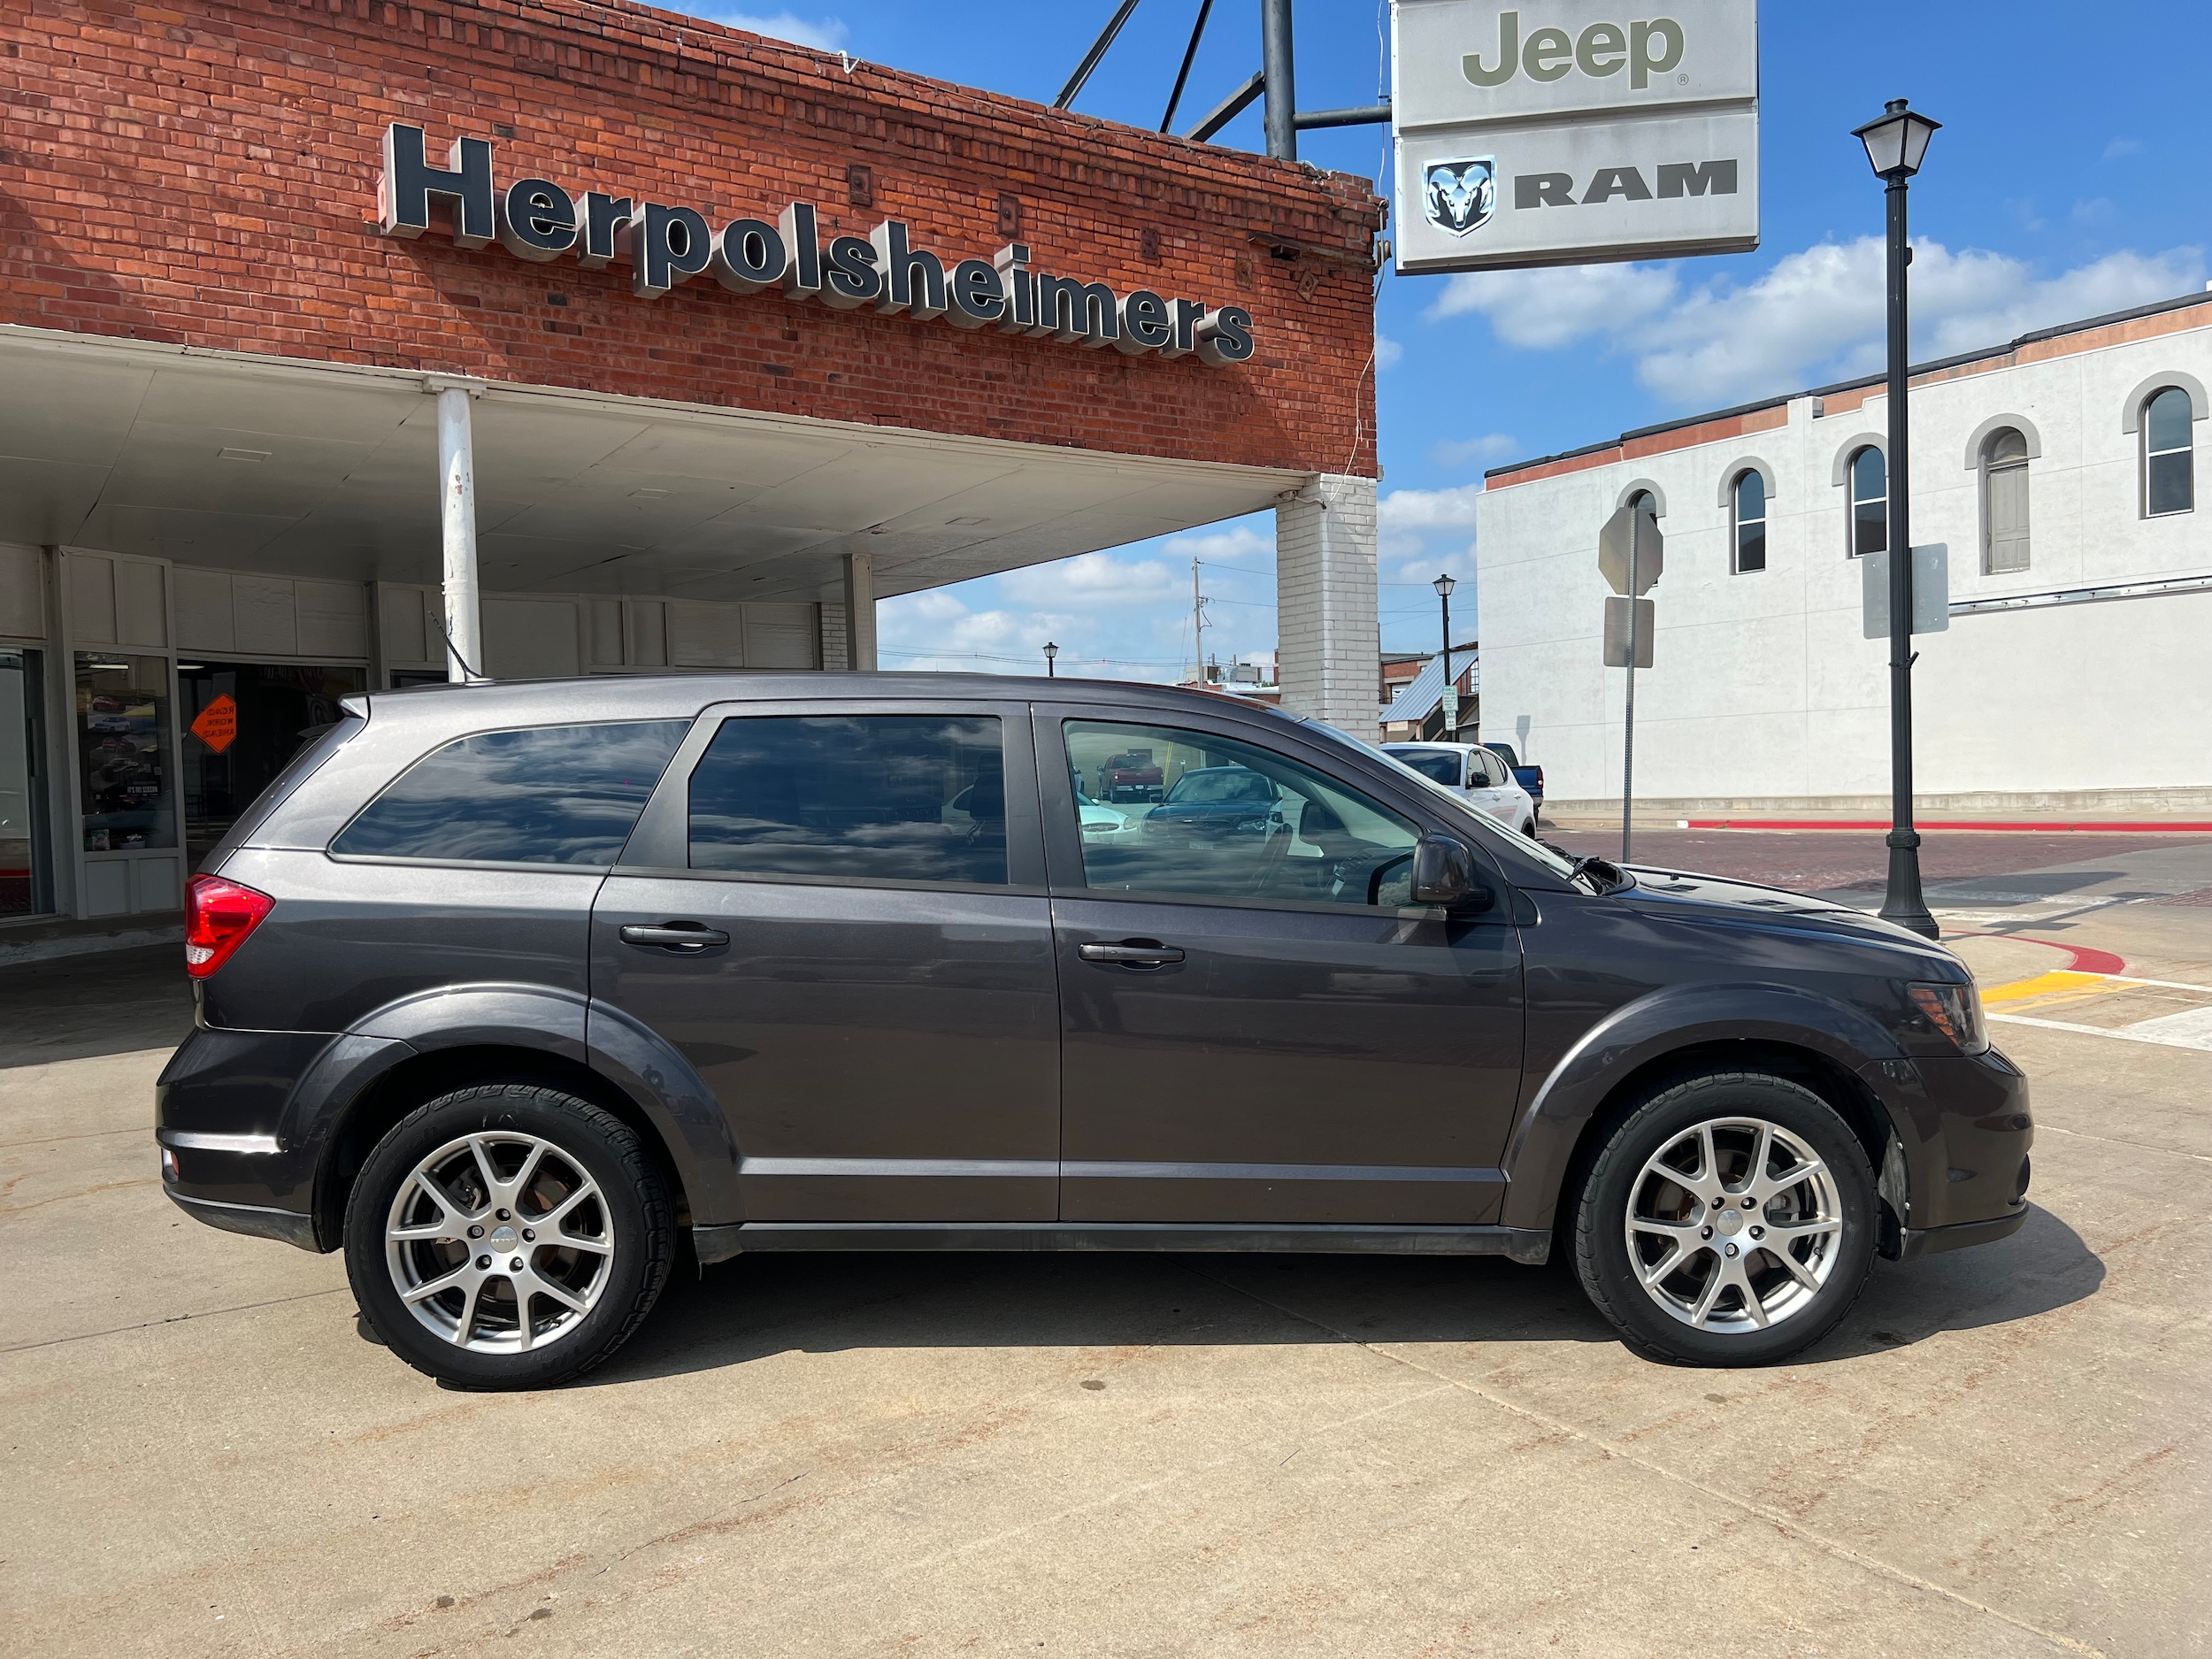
550,794
1440,764
890,797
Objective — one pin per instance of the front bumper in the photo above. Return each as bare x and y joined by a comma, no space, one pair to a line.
1963,1129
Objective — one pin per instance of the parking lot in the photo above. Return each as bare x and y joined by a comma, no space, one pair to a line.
2002,1451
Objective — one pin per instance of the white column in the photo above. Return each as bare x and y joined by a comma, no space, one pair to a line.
1330,635
860,612
457,517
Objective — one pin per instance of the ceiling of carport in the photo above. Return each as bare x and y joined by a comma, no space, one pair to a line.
299,469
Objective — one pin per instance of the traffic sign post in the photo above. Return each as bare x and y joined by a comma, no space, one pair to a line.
1631,554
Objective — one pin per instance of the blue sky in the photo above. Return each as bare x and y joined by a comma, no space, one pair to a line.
2070,180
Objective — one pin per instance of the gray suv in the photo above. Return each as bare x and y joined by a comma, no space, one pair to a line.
510,991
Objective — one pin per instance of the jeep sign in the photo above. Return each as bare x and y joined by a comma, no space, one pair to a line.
1570,132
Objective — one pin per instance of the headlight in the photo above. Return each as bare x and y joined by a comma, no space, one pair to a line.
1954,1010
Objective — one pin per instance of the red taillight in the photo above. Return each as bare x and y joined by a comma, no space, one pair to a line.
218,915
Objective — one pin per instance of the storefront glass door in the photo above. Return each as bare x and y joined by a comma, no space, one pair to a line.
243,721
26,883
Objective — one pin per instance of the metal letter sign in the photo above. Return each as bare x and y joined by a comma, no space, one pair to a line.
1571,132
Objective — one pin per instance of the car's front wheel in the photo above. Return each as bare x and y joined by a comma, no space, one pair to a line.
1529,829
1728,1220
508,1236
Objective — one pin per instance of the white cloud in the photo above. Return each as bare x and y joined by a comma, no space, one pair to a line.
1239,544
826,34
1387,352
2120,147
1090,579
1540,308
1818,314
1494,446
1428,508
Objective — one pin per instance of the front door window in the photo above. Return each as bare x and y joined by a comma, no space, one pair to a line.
1234,820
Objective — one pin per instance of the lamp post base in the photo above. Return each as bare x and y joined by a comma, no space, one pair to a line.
1902,904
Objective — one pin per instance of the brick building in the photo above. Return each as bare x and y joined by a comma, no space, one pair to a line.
345,340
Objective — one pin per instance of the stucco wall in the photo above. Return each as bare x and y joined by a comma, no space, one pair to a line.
1764,686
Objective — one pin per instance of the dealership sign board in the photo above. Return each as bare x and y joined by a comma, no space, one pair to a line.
1571,132
667,244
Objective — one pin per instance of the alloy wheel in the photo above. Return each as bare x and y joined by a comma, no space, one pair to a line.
499,1242
1734,1225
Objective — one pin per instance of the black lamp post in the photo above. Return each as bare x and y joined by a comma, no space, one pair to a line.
1896,143
1444,585
1051,652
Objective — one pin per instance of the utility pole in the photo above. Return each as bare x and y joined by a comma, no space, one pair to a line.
1281,108
1628,728
1197,628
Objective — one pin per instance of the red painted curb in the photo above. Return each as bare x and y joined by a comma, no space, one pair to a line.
2005,825
2086,958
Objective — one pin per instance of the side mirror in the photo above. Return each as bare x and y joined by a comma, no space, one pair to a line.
1444,873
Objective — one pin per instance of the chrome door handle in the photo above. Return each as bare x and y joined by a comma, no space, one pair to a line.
1130,955
688,939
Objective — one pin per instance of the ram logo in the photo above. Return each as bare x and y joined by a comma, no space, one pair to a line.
1461,196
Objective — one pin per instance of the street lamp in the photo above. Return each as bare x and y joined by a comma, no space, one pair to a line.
1444,585
1896,143
1051,651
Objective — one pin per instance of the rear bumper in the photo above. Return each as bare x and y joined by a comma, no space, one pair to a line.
255,1220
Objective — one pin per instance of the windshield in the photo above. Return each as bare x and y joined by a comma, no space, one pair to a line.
1504,751
1226,783
1438,766
1535,849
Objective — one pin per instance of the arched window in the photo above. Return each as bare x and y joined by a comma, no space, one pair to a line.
1749,511
2169,473
1642,501
2004,502
1869,501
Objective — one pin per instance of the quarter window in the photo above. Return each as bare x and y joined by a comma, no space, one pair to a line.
1869,501
1236,821
549,795
2169,471
1750,513
891,797
2004,502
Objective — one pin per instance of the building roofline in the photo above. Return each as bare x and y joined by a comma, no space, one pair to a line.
1935,366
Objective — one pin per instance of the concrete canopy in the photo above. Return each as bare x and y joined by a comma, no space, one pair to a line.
235,462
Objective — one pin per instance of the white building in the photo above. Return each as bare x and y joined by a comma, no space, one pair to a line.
2076,672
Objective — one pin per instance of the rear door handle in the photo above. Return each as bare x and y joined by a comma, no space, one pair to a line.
685,938
1131,955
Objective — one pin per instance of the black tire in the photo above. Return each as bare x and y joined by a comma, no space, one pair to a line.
1667,1121
1529,829
638,1222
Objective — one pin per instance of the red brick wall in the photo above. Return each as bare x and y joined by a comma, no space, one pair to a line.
204,173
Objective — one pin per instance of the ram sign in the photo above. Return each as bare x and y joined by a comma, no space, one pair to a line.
1568,132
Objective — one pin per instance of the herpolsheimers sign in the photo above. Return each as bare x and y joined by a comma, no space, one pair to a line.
666,245
1558,132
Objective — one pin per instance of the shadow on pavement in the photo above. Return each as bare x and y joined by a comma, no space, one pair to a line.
755,1307
77,1008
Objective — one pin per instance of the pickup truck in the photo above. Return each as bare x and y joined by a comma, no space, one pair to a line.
1530,778
1132,775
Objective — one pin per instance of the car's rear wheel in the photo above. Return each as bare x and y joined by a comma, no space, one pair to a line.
508,1236
1529,829
1729,1220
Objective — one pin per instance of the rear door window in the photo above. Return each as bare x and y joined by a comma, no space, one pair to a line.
1438,764
869,797
548,794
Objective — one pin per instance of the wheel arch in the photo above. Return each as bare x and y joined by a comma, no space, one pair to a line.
422,1076
1825,1046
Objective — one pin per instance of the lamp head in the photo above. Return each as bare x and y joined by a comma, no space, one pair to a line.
1051,650
1896,139
1444,585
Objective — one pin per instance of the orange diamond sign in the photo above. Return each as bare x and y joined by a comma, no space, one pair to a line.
217,724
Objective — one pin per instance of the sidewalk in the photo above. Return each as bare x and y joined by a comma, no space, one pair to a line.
2040,823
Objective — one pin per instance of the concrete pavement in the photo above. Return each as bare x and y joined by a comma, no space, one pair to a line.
2002,1451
